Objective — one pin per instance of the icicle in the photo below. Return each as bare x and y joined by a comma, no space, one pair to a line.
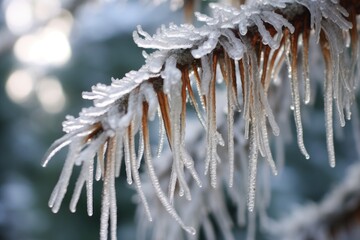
112,194
176,109
89,187
259,139
264,62
108,205
269,113
98,171
118,153
195,104
335,52
61,187
348,109
209,136
140,148
164,108
127,157
154,180
57,146
244,66
354,50
234,85
181,192
177,114
91,148
328,97
207,73
315,15
189,164
252,168
274,58
256,107
267,149
291,53
278,64
100,162
105,209
172,184
161,135
184,156
131,139
86,157
305,61
135,173
230,120
182,122
198,87
243,178
252,111
78,186
336,13
211,159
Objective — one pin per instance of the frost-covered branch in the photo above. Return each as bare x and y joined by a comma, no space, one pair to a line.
247,47
335,217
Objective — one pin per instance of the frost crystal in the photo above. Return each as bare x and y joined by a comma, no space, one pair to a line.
247,47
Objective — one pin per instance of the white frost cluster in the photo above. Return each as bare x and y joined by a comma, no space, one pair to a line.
184,68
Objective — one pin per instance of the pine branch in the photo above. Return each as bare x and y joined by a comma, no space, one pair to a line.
248,47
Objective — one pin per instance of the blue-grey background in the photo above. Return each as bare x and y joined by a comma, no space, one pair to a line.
99,36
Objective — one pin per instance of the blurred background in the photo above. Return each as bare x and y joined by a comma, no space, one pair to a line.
51,51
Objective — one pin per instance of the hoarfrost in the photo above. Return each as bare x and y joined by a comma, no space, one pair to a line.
249,45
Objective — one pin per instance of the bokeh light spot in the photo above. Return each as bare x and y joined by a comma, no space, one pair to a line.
46,47
51,95
19,86
44,9
18,15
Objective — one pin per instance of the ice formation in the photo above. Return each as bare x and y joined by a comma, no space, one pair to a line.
247,47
